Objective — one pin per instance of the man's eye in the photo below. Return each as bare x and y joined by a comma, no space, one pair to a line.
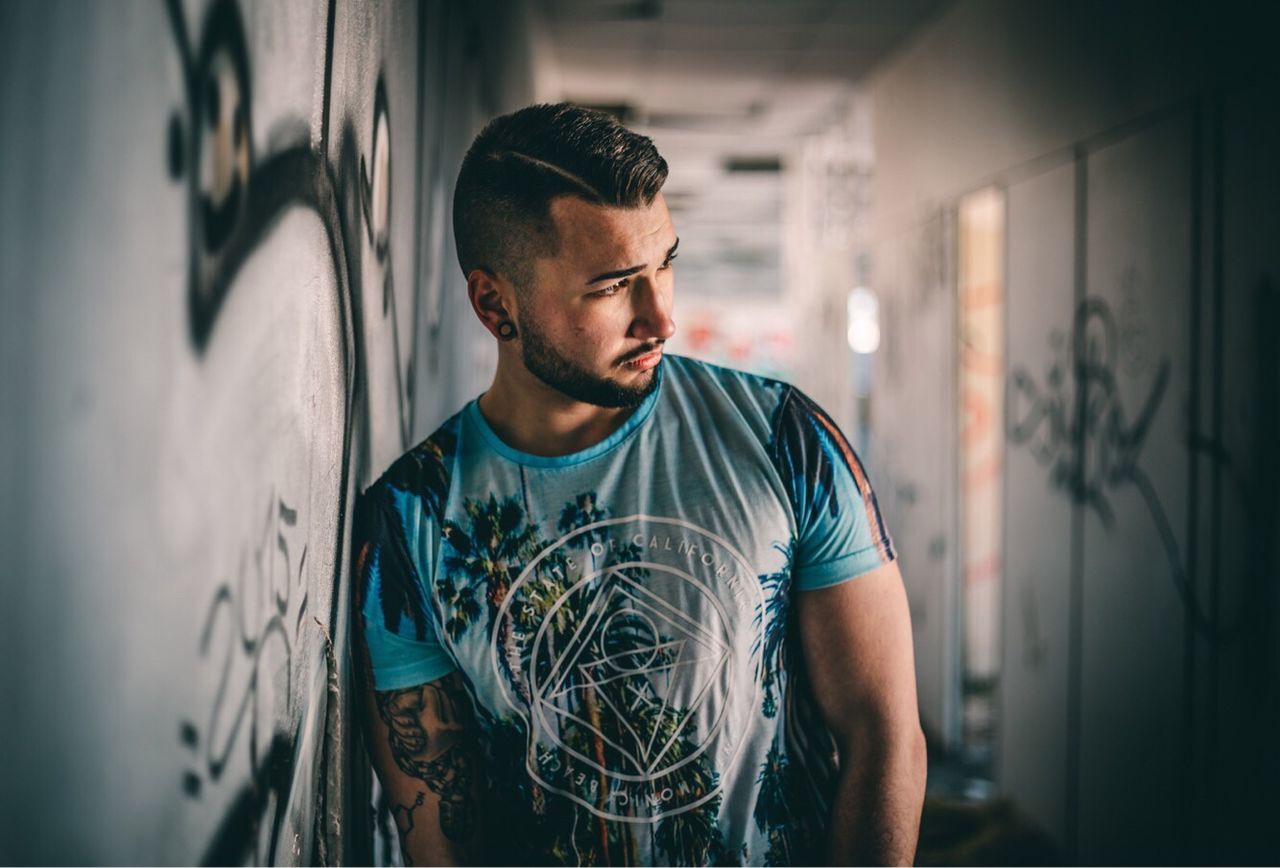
667,264
611,289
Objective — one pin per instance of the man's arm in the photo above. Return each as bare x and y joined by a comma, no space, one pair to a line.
856,638
423,746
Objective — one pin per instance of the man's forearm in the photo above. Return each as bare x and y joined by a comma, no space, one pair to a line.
876,816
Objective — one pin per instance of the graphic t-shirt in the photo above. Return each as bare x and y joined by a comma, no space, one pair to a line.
622,617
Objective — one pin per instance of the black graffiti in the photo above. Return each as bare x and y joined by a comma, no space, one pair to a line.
1049,420
365,221
245,630
257,591
235,838
1075,424
375,185
236,196
1034,645
375,194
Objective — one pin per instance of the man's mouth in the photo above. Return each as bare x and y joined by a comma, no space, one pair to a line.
649,359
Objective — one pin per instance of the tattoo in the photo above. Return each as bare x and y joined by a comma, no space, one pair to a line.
450,777
404,816
448,772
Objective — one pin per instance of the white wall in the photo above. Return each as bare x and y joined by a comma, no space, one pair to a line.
229,299
1129,142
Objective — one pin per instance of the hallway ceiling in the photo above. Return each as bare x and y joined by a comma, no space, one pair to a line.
768,67
717,80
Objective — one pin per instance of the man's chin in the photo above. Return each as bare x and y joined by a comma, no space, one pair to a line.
629,392
632,377
615,393
621,387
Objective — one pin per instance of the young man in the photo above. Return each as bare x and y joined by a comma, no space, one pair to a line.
608,606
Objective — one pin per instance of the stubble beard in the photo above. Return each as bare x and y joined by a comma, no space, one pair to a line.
546,363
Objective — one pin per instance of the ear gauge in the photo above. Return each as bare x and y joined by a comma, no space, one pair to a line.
506,330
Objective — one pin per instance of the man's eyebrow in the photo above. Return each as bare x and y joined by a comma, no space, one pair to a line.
635,269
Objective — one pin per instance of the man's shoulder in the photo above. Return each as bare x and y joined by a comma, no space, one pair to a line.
734,382
717,388
424,471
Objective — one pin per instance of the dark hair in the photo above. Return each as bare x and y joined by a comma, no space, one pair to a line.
520,162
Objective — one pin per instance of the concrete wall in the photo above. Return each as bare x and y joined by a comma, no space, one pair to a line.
1138,667
229,299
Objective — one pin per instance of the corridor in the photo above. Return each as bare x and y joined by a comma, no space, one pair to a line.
1026,255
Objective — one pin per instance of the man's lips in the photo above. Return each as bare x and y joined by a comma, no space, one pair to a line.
646,361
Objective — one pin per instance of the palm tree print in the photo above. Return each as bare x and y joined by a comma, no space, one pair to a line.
424,471
772,814
460,603
801,452
385,554
491,549
806,447
580,512
382,546
486,551
690,837
774,659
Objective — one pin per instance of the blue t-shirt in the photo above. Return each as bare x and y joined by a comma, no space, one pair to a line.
621,617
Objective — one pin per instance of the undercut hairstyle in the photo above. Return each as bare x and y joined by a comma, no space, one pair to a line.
522,161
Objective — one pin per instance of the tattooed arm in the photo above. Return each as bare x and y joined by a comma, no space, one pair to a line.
423,745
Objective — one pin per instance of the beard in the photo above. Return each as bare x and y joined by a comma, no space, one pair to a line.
564,375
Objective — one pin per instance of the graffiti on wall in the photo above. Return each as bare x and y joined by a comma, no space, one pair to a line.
249,632
1074,422
236,195
256,752
1045,418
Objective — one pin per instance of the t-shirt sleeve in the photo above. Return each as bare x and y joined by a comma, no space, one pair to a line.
840,533
397,622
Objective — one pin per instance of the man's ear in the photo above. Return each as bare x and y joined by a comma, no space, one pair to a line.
492,299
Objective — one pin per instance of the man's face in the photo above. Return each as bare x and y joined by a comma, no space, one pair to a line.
593,321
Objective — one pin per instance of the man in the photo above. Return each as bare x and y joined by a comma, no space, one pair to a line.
607,606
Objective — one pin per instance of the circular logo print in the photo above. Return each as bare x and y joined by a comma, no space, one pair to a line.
632,649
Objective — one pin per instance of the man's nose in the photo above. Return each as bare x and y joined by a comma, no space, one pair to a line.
652,315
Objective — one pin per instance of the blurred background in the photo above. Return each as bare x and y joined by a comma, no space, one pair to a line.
1025,252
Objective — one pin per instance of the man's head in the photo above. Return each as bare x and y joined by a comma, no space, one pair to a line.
562,231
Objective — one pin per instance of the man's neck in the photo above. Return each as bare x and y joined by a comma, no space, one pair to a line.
532,417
